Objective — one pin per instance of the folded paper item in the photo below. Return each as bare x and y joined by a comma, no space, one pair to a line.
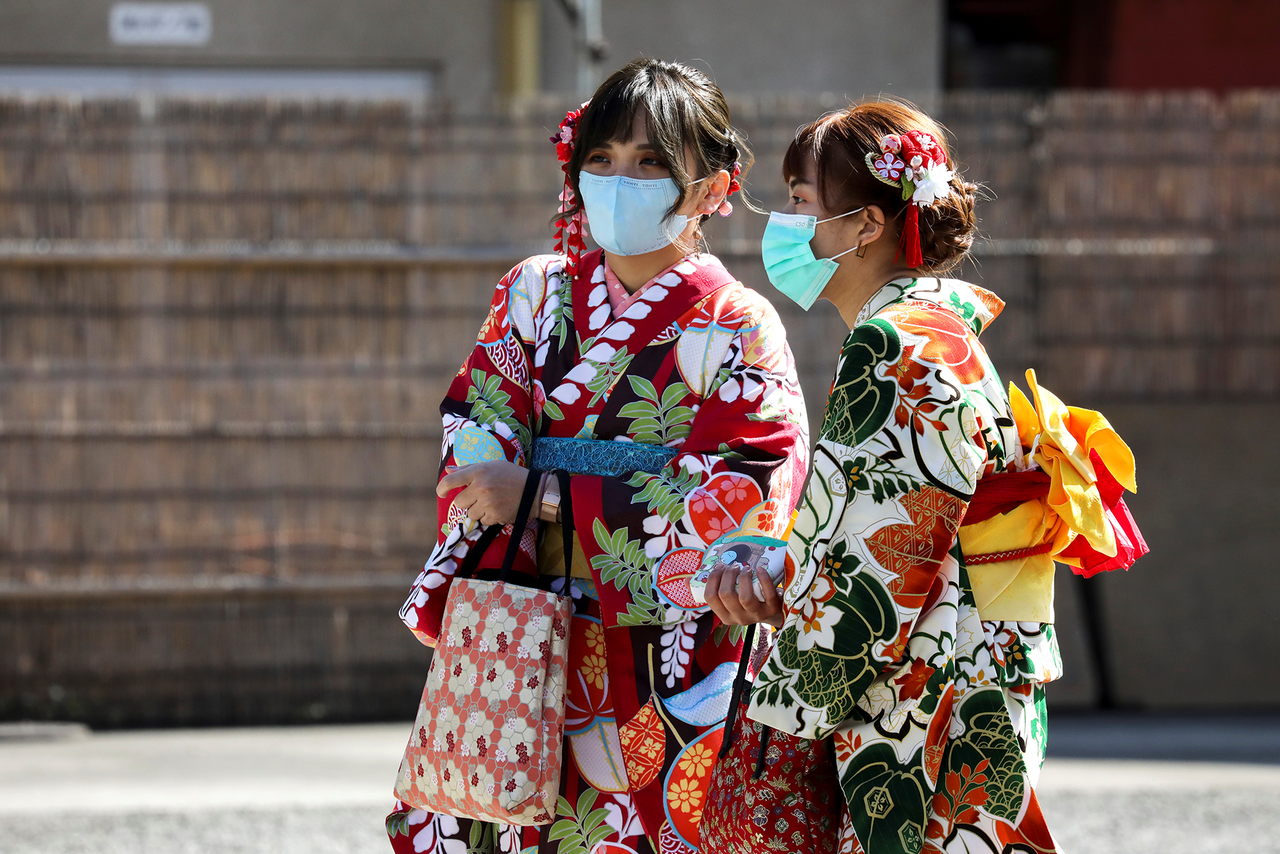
1068,508
739,553
757,543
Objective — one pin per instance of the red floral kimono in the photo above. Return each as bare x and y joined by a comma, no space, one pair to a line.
696,363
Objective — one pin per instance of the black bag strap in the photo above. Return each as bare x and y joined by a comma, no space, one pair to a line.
477,550
491,532
566,522
739,685
531,483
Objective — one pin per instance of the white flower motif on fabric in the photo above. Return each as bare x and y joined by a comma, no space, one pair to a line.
618,331
436,836
622,816
582,373
677,649
599,317
730,390
597,295
601,353
653,293
509,839
566,393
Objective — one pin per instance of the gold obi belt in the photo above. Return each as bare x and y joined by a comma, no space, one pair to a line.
1067,508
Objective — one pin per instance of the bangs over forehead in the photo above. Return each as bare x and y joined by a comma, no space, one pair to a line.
669,109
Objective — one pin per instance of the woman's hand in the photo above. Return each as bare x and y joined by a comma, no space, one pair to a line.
490,493
731,598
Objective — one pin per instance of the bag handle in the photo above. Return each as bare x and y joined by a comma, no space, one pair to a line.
518,527
490,533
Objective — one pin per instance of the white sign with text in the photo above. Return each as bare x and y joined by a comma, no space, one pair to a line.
161,23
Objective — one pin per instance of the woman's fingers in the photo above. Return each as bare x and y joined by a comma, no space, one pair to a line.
718,582
455,478
771,608
490,491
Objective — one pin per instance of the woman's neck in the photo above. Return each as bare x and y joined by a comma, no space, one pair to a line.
635,271
849,293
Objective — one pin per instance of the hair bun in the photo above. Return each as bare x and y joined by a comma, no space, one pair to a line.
949,226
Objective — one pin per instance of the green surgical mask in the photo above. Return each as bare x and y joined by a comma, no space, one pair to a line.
788,258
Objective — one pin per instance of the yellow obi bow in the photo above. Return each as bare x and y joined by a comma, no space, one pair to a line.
1063,442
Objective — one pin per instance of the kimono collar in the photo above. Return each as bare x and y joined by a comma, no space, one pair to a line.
976,306
619,296
659,304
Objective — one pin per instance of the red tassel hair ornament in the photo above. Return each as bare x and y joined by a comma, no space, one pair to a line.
569,227
916,163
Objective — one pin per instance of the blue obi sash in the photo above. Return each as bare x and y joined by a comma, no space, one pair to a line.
598,456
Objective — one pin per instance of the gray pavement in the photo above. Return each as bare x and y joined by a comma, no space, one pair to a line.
324,789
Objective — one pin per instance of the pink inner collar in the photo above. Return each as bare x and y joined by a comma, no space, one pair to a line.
619,298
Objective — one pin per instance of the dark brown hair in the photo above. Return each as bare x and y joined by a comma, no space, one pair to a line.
683,109
839,142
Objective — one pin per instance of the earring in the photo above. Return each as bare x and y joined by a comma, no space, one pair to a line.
861,251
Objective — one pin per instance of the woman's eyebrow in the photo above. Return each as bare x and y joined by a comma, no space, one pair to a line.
797,182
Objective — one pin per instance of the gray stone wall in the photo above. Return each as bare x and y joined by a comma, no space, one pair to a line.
225,329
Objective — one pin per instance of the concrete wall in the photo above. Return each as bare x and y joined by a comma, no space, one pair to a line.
757,46
455,38
850,49
1193,624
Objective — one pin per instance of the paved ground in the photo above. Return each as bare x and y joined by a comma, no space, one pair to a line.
323,789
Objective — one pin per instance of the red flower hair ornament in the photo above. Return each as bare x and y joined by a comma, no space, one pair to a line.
915,163
571,228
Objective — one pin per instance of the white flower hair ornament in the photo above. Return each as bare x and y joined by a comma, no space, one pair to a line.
915,163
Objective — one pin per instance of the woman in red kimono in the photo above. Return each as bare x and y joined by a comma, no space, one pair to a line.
682,382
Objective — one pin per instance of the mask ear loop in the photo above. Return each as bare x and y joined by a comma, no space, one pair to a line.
856,246
698,234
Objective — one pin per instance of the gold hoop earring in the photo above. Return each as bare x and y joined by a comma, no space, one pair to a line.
861,251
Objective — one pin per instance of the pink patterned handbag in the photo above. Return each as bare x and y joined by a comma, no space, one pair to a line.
486,744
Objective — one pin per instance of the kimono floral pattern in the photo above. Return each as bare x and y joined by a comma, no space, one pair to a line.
937,716
696,363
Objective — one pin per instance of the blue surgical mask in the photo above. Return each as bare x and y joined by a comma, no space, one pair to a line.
627,216
788,258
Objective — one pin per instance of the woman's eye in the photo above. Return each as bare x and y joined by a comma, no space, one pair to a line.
797,201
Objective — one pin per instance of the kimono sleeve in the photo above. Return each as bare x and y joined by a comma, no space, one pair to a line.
746,442
893,473
487,413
